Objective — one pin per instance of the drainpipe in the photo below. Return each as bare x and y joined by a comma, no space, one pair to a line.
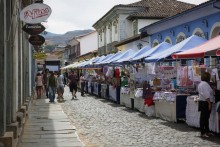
214,6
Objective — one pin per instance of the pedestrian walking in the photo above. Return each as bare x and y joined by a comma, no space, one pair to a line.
206,98
39,85
52,86
60,87
45,80
82,83
73,84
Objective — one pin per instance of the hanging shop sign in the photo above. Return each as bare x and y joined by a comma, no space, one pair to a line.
35,13
36,40
33,29
39,55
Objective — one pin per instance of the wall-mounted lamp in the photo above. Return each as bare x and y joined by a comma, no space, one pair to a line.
205,22
187,28
172,32
139,45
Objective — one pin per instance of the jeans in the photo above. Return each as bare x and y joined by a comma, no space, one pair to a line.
52,92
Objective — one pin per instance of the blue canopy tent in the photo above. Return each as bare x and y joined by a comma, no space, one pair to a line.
126,56
98,58
179,47
111,58
159,48
87,62
122,55
140,52
103,59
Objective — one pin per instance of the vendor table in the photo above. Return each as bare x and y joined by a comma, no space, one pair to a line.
193,115
125,97
139,104
114,93
90,87
103,90
171,110
95,88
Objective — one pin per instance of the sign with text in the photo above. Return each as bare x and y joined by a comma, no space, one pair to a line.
36,40
33,29
38,55
35,13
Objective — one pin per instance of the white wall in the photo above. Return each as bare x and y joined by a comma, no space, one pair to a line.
133,45
89,43
143,22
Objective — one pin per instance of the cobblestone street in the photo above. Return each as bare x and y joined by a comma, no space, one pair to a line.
100,122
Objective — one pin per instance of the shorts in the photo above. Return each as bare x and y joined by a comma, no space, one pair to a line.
73,87
39,87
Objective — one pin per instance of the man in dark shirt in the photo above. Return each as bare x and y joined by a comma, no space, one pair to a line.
73,84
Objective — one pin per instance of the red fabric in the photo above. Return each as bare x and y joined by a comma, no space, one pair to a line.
117,73
201,50
149,102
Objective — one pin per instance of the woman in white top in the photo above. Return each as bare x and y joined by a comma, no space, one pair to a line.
39,85
60,87
206,98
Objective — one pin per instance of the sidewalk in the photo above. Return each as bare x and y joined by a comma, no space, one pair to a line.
48,126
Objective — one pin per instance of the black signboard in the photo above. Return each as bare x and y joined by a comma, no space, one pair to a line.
36,40
39,1
33,29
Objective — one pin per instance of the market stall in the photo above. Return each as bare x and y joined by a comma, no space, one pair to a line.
170,106
208,48
170,103
193,115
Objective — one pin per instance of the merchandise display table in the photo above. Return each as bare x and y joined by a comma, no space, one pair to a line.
104,91
171,110
114,93
95,88
193,115
139,104
90,87
125,97
165,110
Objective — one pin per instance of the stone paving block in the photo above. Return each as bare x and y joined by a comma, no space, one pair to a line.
49,126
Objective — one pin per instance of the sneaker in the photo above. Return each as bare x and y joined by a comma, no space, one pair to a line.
72,98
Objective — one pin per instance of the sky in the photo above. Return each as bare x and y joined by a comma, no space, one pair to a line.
70,15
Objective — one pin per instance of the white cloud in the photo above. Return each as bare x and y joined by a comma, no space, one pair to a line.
69,15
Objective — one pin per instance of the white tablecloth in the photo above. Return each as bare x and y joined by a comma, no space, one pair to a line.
95,88
193,115
166,110
125,100
90,87
112,93
149,111
103,90
139,104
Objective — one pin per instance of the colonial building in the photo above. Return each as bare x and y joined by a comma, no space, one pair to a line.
81,45
202,20
17,72
124,21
